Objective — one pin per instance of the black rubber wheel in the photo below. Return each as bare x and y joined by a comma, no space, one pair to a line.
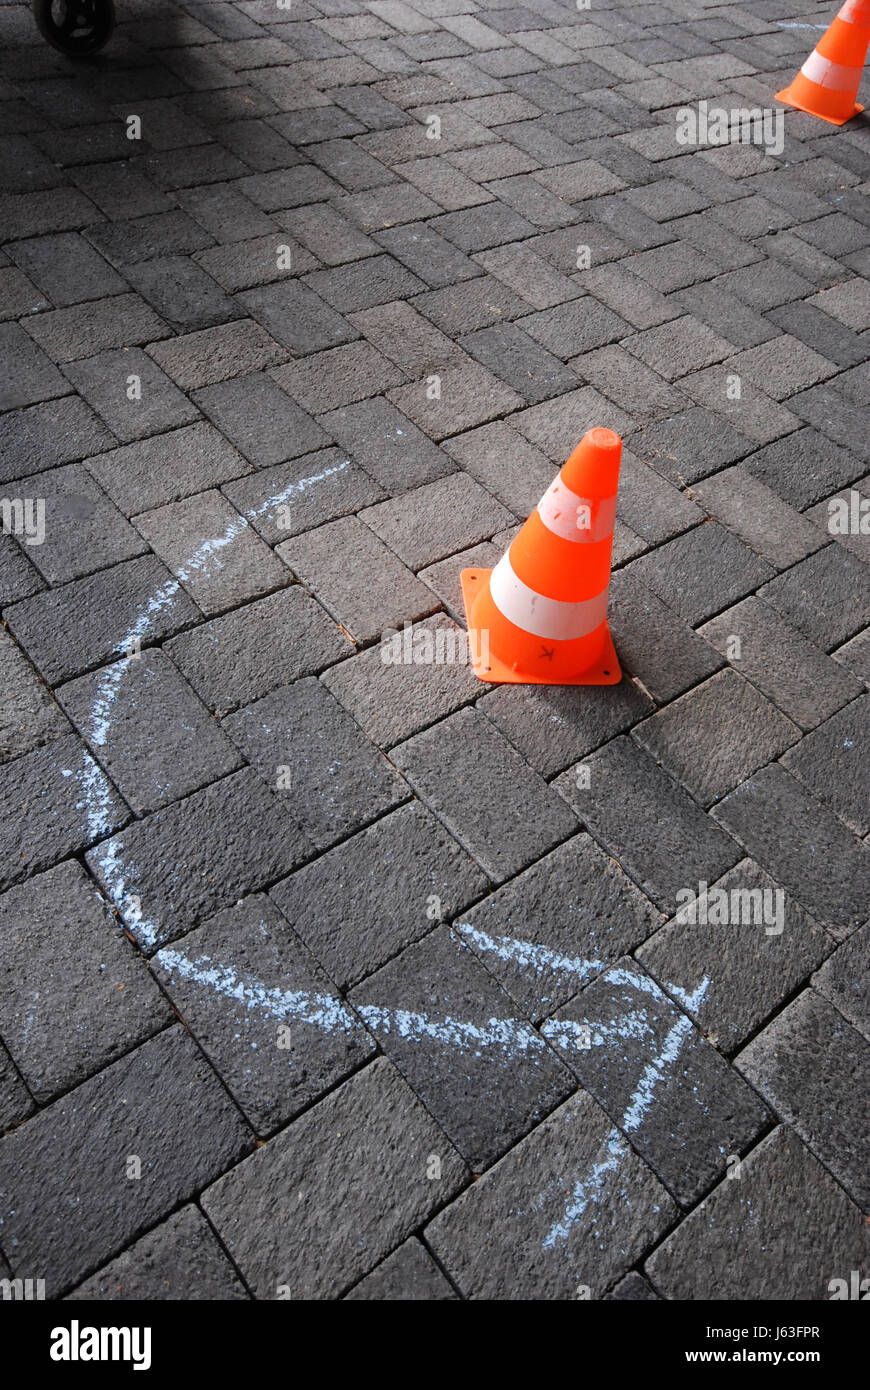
76,27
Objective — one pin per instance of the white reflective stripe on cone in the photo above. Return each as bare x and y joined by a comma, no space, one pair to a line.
836,77
576,518
544,617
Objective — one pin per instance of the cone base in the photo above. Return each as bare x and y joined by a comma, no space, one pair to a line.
786,96
605,671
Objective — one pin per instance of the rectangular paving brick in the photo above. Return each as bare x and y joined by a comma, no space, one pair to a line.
731,974
517,359
75,996
568,1210
376,209
181,1259
67,268
531,200
363,284
443,578
245,265
501,811
306,492
842,980
811,325
466,514
753,412
42,436
387,444
212,550
361,583
782,367
79,625
202,358
166,467
430,257
337,377
557,925
832,762
775,818
283,188
556,425
824,513
716,736
701,572
474,304
525,272
483,1073
627,296
28,374
377,892
53,803
803,467
131,394
736,1244
407,337
161,1104
553,726
795,674
376,1139
826,597
657,833
266,1015
758,516
86,329
181,293
690,445
29,716
261,419
349,164
83,529
647,503
149,730
855,654
128,240
297,317
467,395
658,1078
835,414
631,385
309,750
657,646
813,1068
568,330
766,285
237,837
235,659
412,678
504,463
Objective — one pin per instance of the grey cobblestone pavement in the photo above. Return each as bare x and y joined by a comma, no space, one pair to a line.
322,977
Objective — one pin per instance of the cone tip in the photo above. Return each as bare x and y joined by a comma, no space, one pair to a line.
602,438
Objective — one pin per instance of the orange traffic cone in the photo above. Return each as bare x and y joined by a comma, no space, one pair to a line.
540,617
828,82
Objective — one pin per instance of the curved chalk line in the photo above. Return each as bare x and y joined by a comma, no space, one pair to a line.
98,799
510,1037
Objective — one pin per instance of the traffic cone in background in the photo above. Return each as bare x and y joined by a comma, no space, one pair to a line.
540,617
828,82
